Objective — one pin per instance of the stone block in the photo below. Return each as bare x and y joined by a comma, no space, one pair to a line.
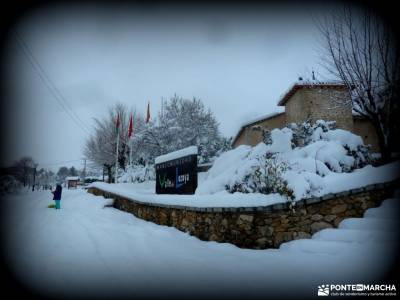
184,223
316,217
224,223
265,230
263,242
246,218
329,218
214,237
337,221
301,235
317,226
282,237
338,209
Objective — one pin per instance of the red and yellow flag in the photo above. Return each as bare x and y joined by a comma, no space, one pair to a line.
130,129
117,123
148,113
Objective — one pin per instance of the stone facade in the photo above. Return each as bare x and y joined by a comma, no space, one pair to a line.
319,103
252,135
329,102
259,227
366,130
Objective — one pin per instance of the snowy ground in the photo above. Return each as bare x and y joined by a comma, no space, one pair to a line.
333,183
87,250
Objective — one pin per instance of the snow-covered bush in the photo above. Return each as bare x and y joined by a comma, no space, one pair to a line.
303,133
266,178
306,133
138,173
292,164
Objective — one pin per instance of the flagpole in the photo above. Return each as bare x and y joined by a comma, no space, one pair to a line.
130,152
116,159
130,132
116,154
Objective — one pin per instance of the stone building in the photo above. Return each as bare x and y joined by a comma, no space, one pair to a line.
311,101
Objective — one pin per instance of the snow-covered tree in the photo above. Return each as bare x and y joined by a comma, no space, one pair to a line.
24,169
181,123
73,171
45,178
62,173
101,146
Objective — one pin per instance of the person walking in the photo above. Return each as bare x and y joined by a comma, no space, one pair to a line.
57,195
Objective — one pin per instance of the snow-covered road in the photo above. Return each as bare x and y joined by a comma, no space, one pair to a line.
87,250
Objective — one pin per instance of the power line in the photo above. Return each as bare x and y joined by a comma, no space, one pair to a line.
49,83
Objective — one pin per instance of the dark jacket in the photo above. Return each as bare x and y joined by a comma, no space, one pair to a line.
57,192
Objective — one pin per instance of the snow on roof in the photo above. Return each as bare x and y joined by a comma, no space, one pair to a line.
261,118
307,84
72,178
176,154
256,120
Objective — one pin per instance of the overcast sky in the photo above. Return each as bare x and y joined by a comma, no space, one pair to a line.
237,60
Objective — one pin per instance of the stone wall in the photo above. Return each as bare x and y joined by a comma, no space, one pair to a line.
364,128
320,103
297,108
259,227
249,135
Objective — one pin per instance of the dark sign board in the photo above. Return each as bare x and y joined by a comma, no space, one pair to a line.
177,176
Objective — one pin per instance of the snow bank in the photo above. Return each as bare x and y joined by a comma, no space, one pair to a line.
281,140
176,154
321,166
338,182
231,167
332,183
274,173
138,173
345,138
145,192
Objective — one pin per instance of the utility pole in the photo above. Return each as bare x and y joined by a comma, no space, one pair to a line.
84,172
34,177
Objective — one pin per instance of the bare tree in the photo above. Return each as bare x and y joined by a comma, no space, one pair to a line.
101,146
361,51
